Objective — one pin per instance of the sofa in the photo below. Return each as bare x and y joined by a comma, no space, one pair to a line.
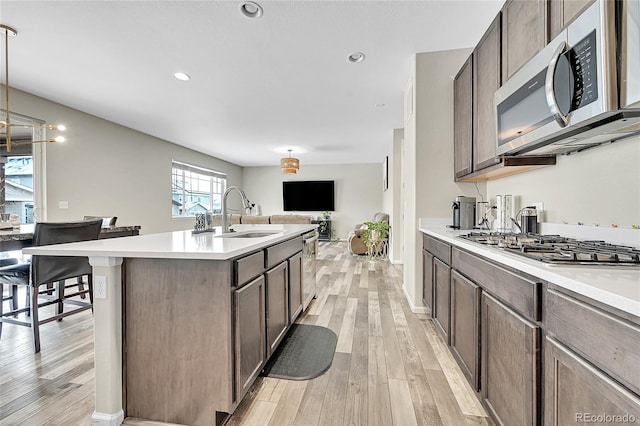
355,241
263,220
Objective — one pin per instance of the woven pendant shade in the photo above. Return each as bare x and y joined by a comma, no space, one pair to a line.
289,165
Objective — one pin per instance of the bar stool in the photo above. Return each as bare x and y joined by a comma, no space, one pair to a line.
44,270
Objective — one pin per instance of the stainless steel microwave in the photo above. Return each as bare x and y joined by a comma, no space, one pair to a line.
581,90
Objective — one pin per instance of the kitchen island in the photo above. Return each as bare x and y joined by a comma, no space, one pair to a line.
180,318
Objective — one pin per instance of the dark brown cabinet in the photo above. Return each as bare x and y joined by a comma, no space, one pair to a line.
463,119
510,364
249,336
442,298
486,80
562,12
577,392
524,33
427,280
277,312
465,326
295,287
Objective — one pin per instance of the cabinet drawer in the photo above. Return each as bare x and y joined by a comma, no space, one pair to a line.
616,350
439,249
248,267
521,293
279,252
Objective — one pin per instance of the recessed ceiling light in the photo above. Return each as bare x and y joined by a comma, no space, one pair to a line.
380,105
182,76
356,57
250,9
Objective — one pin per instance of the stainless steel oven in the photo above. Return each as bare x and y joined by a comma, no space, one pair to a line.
309,253
579,91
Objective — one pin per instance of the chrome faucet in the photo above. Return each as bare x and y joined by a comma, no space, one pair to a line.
245,204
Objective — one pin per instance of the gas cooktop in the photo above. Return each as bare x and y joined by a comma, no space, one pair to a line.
558,250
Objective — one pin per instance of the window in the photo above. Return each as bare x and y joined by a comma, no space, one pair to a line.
195,190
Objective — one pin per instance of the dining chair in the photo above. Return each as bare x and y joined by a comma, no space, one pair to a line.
44,270
106,220
12,297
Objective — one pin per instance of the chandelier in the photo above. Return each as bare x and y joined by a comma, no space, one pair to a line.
289,165
5,122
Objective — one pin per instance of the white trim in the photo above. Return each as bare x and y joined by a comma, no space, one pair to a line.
104,419
397,262
415,309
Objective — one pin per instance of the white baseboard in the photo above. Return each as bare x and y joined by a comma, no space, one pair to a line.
397,262
104,419
415,309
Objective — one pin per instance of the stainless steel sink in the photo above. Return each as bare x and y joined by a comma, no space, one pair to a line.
256,234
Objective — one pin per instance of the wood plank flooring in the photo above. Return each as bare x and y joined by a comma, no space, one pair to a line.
390,367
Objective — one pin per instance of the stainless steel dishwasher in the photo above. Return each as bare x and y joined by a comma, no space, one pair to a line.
309,252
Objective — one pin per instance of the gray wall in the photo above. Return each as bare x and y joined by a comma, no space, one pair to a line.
358,190
428,156
104,169
392,198
598,186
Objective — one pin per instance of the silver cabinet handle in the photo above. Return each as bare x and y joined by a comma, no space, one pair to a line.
562,119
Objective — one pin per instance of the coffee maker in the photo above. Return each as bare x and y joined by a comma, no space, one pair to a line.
464,212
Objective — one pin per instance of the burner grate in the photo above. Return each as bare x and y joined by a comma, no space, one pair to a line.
555,249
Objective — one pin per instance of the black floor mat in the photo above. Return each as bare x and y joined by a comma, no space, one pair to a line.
306,352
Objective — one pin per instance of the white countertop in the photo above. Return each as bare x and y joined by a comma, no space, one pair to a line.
178,244
618,287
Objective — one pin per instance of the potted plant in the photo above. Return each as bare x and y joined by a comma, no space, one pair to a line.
326,214
375,238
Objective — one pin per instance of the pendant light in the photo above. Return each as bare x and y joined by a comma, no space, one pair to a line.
5,122
289,165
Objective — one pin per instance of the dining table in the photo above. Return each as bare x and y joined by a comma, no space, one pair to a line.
19,238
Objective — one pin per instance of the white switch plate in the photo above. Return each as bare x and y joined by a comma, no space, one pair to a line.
63,204
100,287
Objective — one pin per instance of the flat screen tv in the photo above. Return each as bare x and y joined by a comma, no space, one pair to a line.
308,195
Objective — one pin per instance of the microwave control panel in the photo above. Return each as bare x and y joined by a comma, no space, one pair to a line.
583,57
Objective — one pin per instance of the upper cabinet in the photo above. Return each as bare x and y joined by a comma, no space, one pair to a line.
486,71
561,13
515,35
463,129
524,33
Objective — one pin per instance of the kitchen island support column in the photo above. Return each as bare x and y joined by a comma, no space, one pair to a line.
107,312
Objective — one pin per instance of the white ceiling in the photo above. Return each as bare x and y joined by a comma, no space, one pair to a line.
277,82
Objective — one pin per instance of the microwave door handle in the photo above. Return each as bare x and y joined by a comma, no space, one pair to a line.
561,118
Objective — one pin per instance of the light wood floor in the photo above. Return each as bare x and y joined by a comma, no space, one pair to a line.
390,367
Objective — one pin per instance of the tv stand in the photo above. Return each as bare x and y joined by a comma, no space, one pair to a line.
324,229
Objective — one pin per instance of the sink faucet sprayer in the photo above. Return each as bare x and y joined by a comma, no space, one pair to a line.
245,204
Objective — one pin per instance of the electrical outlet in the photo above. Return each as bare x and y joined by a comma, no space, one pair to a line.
100,287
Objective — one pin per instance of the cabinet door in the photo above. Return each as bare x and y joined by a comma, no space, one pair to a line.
524,33
562,12
249,317
277,305
465,326
441,297
486,80
295,287
510,364
462,119
427,280
575,389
